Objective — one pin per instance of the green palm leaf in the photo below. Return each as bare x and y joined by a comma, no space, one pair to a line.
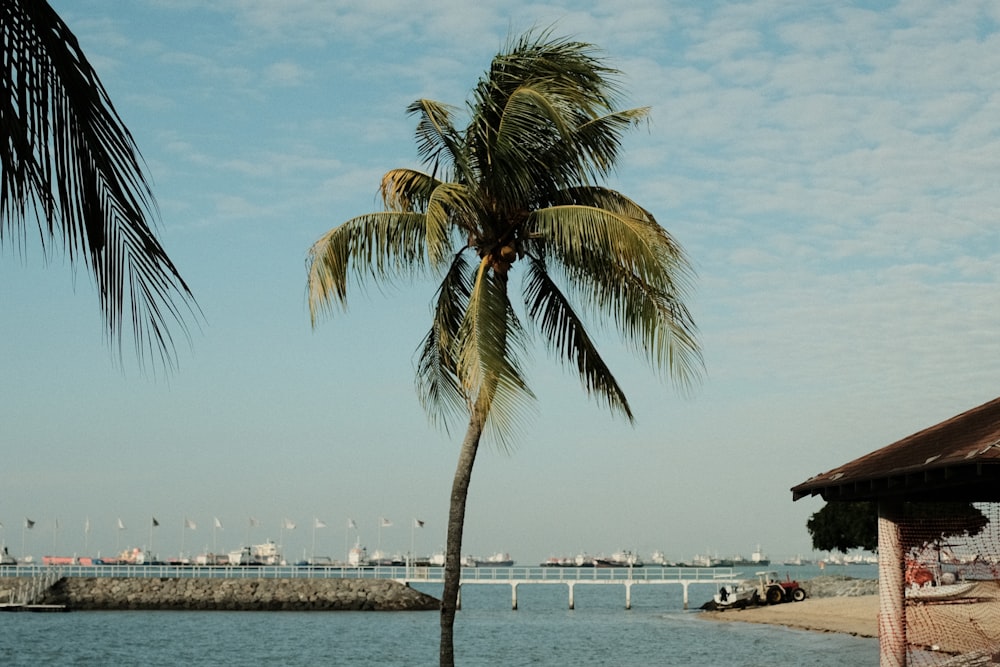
380,247
489,344
630,269
564,331
438,385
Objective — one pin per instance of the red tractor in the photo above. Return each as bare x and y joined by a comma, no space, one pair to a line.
772,590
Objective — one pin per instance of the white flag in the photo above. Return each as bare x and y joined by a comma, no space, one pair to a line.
121,524
385,522
319,524
288,524
253,522
351,525
418,523
86,525
188,523
218,524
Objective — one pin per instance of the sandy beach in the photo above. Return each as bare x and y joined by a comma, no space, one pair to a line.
849,615
960,626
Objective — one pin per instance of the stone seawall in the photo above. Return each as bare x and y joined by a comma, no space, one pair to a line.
233,594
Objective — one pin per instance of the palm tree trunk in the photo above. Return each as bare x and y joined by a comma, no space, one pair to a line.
456,524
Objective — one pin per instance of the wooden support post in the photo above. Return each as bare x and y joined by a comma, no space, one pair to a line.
628,595
572,604
685,585
513,597
891,589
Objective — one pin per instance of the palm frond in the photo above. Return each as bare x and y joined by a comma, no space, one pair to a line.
438,386
570,68
526,156
629,268
564,331
407,190
68,159
532,99
445,204
488,349
452,210
380,246
439,144
593,147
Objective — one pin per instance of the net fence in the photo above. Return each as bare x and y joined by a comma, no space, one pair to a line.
951,567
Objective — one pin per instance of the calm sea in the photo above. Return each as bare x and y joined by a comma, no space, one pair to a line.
543,631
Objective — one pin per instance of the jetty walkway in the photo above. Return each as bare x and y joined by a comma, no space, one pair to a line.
513,576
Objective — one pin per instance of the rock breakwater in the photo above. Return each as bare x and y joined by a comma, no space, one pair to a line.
233,594
839,586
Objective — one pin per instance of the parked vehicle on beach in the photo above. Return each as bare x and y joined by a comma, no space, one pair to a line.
735,596
772,590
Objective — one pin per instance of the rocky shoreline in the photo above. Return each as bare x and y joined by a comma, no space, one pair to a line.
121,593
831,586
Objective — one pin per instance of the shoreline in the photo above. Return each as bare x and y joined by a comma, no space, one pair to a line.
852,615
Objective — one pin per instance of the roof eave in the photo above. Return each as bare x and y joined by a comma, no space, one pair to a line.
965,482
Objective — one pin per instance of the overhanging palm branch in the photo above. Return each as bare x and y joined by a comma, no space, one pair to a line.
68,161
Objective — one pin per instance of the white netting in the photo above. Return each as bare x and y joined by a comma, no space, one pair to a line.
952,585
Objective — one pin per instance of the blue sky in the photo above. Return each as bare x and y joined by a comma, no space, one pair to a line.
831,169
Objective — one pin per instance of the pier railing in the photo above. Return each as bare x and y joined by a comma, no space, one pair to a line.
512,576
648,574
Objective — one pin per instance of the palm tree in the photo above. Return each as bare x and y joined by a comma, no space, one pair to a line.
517,188
68,162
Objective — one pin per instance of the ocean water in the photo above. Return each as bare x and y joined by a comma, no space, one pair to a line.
542,632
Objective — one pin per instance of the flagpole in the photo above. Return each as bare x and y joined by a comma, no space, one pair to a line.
413,530
315,522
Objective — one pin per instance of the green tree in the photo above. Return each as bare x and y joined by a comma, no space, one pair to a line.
68,163
517,187
854,525
844,526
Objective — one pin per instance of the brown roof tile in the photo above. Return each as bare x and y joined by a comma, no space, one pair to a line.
958,458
